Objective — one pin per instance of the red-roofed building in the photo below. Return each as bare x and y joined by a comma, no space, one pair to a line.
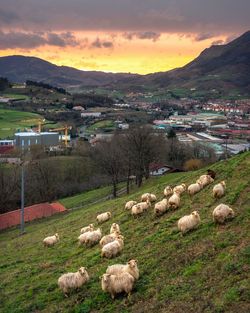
30,213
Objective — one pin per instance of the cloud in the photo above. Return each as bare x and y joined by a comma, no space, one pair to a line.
142,35
28,40
98,43
203,36
217,42
163,16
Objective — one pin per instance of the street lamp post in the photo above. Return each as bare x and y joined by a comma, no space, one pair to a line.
22,199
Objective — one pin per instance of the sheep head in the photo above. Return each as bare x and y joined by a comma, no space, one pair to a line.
109,214
82,271
231,212
195,214
57,236
223,183
132,263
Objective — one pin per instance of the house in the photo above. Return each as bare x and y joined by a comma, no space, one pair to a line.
91,114
156,169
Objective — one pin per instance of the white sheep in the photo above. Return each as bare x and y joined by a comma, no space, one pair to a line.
194,188
222,212
109,238
205,180
140,207
189,222
131,268
90,237
219,190
161,207
113,248
148,196
51,240
114,228
174,201
103,217
93,237
73,280
87,228
168,191
180,188
129,204
115,284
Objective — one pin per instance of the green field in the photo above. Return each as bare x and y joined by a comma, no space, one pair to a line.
105,124
11,121
205,271
16,96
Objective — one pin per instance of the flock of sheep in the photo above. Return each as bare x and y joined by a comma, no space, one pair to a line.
122,277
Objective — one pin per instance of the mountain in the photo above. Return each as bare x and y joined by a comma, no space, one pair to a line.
19,68
220,67
206,270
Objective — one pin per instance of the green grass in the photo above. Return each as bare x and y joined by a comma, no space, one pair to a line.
16,96
107,124
11,121
84,198
206,270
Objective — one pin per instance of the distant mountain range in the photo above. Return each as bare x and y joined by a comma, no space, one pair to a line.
219,67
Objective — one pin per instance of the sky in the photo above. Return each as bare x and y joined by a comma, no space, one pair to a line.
137,36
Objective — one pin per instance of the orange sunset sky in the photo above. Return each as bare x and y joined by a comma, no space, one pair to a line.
119,35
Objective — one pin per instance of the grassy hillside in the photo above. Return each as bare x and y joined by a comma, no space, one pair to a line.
204,271
11,121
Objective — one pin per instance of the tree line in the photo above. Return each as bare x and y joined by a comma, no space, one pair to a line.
126,157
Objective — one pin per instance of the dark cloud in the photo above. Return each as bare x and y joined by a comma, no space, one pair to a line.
204,36
23,40
142,35
169,16
98,43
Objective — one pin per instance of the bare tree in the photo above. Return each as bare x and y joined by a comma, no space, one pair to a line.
145,147
108,157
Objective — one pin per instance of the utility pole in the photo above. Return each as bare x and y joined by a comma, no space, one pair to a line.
22,198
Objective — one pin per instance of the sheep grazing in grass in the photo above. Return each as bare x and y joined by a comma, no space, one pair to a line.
205,180
221,213
211,173
180,189
194,188
114,228
140,207
101,218
161,207
90,237
87,228
219,190
51,240
168,191
129,204
174,201
148,196
93,237
73,280
189,222
115,284
113,248
131,268
109,238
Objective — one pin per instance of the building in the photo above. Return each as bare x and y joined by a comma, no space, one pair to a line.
91,114
156,169
24,140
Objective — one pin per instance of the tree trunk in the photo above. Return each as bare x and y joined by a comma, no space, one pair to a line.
114,188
